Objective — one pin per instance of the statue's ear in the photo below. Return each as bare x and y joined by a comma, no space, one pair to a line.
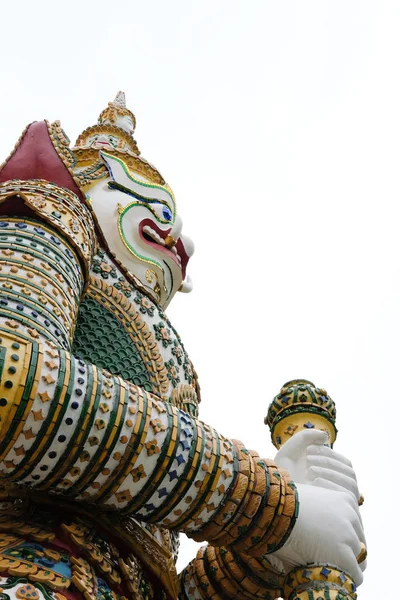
116,169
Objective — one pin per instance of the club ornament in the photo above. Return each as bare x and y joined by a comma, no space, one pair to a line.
300,405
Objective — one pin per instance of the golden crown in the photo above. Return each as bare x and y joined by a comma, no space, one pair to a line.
116,124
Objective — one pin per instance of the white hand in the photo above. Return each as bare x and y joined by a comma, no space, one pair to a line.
309,460
328,530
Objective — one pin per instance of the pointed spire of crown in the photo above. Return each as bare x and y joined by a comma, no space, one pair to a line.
119,100
117,114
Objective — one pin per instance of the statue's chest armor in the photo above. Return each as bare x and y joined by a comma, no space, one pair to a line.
101,339
123,331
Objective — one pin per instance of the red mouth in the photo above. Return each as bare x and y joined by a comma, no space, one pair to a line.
150,235
100,143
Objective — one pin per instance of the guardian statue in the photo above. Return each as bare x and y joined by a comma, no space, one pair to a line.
103,460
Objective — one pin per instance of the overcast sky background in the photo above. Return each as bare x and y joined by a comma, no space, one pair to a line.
277,126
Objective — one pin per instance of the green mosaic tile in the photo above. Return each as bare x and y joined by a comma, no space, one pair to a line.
102,340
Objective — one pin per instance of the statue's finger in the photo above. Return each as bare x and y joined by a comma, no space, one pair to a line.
339,485
329,452
330,463
340,479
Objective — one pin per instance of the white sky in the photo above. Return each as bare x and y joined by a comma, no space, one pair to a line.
277,126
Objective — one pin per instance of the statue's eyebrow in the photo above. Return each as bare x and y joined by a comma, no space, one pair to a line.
113,185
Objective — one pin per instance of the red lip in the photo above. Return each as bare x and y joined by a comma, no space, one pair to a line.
163,234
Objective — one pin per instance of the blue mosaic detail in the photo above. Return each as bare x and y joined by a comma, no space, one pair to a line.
163,492
179,459
185,444
173,475
185,418
325,571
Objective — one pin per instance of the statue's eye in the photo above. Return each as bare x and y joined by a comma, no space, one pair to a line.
167,214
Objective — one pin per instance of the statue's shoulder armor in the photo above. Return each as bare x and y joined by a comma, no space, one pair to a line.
38,155
35,181
57,207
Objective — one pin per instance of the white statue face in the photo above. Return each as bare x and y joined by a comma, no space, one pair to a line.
103,141
140,224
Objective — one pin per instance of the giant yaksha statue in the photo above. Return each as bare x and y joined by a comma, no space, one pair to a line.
103,461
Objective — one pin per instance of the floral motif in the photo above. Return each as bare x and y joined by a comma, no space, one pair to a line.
172,372
102,267
152,447
123,496
158,425
138,473
290,430
105,267
125,287
27,591
163,334
145,304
